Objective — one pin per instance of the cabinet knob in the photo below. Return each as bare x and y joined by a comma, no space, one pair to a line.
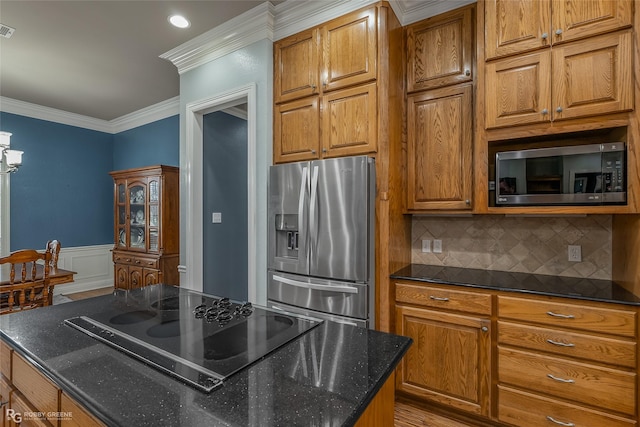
544,111
467,72
313,151
313,87
137,261
559,110
544,36
558,31
484,329
468,202
324,150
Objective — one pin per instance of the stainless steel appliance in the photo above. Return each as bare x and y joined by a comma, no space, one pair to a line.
321,240
573,175
197,338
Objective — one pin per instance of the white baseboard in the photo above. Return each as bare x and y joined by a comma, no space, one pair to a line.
93,265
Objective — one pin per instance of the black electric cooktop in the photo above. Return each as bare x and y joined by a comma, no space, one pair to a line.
198,338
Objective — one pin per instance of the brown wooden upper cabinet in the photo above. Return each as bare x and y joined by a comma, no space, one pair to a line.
513,27
584,78
337,54
440,50
440,149
325,89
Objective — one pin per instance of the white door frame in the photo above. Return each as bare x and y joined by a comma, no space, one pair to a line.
193,183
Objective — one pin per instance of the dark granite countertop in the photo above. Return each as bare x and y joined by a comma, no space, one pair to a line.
327,376
557,286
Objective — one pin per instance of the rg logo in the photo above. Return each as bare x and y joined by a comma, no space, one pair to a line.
14,416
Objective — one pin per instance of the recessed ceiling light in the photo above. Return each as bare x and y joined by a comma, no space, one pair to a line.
179,21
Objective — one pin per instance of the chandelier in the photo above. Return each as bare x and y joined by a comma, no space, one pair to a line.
10,159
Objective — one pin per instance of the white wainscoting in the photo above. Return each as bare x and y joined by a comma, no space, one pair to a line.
93,265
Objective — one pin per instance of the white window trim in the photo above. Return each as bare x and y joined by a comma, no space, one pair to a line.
5,238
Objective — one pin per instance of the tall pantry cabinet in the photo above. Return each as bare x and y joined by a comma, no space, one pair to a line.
146,226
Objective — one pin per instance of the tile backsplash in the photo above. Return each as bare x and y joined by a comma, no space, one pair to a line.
523,244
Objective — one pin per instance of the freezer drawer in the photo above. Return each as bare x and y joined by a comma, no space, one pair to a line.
328,296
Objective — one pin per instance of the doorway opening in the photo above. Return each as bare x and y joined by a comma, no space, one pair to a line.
193,185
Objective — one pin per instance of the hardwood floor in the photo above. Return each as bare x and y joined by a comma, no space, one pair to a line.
90,294
406,415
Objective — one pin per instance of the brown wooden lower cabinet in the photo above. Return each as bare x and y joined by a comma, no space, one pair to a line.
550,361
31,399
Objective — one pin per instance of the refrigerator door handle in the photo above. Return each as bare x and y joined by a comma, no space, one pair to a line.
286,281
302,203
313,220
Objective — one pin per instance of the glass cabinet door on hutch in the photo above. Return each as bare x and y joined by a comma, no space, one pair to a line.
137,208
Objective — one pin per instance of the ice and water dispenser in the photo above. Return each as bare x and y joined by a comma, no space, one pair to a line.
287,235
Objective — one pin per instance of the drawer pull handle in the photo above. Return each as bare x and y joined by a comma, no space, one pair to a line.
445,299
561,344
562,380
550,418
563,316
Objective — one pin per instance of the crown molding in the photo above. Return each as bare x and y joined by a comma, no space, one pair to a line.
13,106
294,16
153,113
410,11
159,111
252,26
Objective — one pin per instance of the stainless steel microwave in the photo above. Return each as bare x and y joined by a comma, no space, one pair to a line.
574,175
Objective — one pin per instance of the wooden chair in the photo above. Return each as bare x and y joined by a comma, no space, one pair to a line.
26,289
53,246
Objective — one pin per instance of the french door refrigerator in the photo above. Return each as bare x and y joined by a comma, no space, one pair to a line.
320,239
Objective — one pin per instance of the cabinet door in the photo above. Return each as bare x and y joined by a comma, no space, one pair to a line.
136,278
121,276
440,149
593,76
440,50
137,192
349,121
516,26
296,131
151,277
296,66
518,90
121,214
349,50
578,19
449,361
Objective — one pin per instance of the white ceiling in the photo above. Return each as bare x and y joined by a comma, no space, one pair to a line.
100,58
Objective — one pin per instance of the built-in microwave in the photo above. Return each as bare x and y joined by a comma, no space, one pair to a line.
571,175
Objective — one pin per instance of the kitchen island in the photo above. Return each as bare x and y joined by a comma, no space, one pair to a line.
327,376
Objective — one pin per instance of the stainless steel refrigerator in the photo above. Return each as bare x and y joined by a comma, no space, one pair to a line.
320,239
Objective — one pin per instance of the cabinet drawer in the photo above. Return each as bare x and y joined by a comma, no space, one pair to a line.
80,417
523,409
429,296
37,389
5,360
565,314
135,260
611,389
570,344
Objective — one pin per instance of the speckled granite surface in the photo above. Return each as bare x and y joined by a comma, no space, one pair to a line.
557,286
327,376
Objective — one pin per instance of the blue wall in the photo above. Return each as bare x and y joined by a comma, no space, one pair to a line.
224,175
63,189
151,144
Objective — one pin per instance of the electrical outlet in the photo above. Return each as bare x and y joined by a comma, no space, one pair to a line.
437,246
426,246
575,253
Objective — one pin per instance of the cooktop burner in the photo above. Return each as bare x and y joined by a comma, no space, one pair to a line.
197,338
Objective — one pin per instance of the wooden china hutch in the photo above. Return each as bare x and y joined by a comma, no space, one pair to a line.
146,226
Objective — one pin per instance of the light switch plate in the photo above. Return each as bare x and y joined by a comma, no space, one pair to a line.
216,217
575,253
